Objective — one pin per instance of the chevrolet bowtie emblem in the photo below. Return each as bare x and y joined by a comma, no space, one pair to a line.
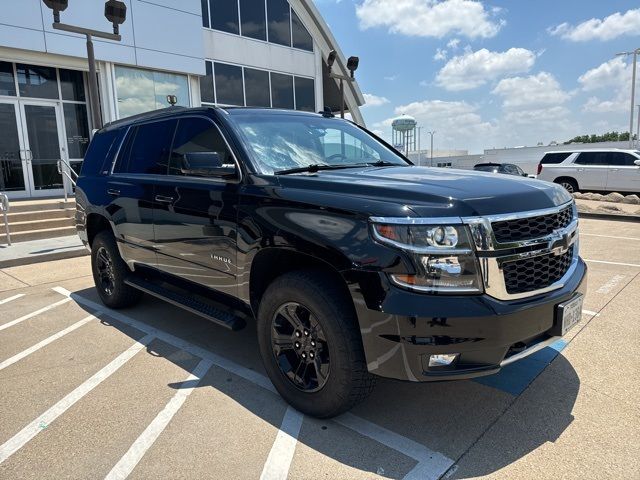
559,243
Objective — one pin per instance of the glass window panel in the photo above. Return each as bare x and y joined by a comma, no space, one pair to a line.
229,89
279,22
224,16
72,85
254,19
11,176
42,128
37,82
170,84
205,13
206,85
149,152
256,85
282,90
305,94
141,91
77,128
197,135
7,82
301,36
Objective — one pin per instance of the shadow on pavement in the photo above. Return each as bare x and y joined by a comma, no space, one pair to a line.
445,417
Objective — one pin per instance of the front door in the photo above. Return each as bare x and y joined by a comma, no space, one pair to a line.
41,131
14,174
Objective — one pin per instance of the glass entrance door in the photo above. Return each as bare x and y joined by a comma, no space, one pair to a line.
13,167
42,127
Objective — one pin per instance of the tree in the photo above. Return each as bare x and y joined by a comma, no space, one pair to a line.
606,137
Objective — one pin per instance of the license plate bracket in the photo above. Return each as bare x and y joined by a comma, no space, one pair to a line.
568,314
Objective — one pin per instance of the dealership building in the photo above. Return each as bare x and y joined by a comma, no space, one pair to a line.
267,53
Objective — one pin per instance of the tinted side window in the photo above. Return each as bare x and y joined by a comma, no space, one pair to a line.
197,135
621,159
555,157
147,149
592,158
99,150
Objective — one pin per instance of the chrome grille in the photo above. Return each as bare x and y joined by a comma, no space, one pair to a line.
534,273
531,227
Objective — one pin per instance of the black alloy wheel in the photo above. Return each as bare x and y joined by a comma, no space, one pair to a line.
300,347
106,275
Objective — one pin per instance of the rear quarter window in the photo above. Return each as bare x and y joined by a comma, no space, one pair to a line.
100,152
551,158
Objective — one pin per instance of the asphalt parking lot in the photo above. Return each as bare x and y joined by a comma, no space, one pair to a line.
155,392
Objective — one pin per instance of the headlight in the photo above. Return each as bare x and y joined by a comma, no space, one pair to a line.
443,255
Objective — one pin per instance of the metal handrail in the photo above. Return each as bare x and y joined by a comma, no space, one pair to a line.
4,208
64,168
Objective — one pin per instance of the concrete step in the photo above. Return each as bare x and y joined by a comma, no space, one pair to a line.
29,235
46,250
20,206
15,217
46,224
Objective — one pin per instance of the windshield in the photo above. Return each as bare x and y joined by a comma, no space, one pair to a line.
283,142
486,168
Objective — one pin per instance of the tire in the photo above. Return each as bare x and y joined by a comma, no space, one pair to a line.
569,184
109,273
333,325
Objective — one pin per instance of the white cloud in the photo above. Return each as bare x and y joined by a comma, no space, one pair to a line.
473,69
613,26
429,18
596,105
532,91
441,54
453,43
392,78
374,100
613,73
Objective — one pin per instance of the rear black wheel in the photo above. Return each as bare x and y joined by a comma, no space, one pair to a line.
311,346
110,272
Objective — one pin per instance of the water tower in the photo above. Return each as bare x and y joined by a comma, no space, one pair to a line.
404,133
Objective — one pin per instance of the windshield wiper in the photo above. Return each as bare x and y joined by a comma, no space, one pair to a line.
314,167
384,163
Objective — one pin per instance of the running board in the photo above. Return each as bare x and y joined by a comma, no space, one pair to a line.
210,312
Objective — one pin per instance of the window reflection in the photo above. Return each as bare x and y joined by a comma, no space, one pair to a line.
305,94
37,82
300,35
253,17
72,85
229,88
76,124
257,88
7,82
141,91
224,15
282,90
279,22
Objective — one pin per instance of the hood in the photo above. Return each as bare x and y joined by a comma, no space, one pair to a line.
435,191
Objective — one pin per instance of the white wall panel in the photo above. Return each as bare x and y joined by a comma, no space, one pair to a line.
190,6
21,38
22,13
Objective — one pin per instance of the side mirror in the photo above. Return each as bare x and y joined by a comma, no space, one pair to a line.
637,162
206,164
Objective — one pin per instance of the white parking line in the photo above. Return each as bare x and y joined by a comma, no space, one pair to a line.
613,263
33,314
281,454
431,465
608,236
128,462
428,461
590,312
19,440
45,342
10,299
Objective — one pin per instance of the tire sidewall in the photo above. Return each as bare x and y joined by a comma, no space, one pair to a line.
107,241
331,396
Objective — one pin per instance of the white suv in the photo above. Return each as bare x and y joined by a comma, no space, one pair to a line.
612,170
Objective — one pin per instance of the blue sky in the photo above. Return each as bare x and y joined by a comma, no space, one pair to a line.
492,73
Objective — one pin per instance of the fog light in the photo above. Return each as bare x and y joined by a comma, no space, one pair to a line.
442,360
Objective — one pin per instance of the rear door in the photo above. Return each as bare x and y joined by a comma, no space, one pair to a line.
591,170
141,165
195,214
624,175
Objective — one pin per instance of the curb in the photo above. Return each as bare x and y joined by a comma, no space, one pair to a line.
609,216
47,257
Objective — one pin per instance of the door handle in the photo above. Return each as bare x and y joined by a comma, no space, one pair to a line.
163,199
113,192
581,169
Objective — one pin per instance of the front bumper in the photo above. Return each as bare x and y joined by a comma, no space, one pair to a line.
401,329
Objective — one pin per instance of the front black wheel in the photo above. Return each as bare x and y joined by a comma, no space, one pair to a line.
110,272
311,346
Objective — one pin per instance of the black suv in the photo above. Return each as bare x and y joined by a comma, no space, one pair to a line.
350,261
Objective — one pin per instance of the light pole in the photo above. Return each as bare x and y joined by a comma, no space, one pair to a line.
638,130
633,90
116,12
432,133
352,66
